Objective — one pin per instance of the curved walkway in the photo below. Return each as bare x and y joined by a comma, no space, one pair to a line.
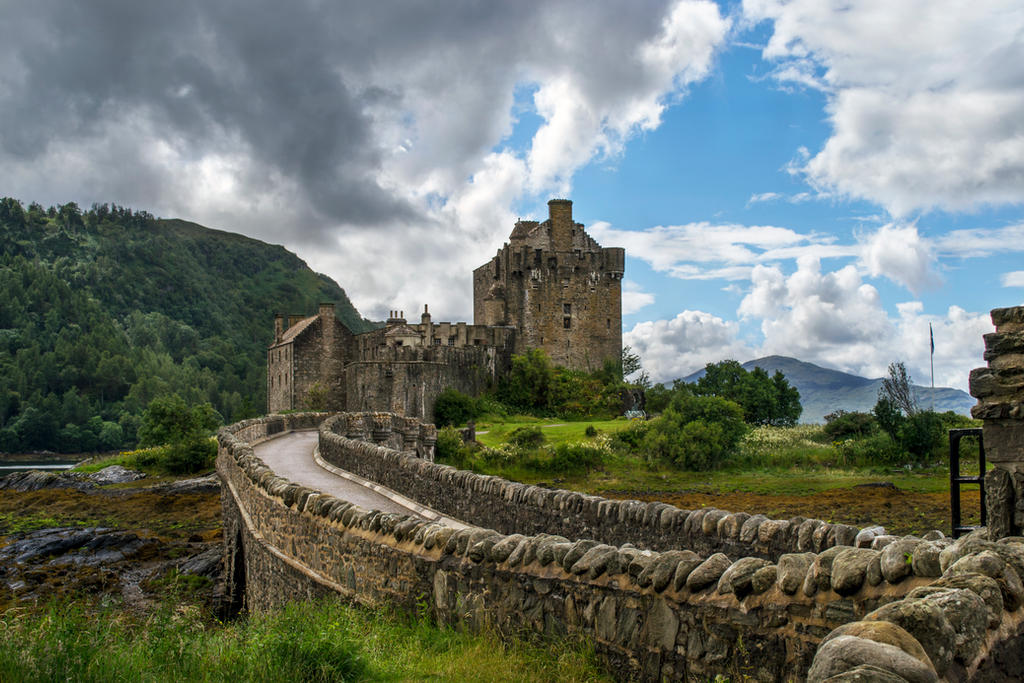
294,456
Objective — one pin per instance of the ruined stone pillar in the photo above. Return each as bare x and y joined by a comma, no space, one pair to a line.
999,389
354,426
410,434
381,429
428,439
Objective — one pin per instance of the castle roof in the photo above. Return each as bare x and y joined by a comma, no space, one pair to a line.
297,329
402,331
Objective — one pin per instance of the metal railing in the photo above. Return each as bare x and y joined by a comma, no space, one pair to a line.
955,480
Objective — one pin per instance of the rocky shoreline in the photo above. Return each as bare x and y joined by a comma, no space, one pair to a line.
132,560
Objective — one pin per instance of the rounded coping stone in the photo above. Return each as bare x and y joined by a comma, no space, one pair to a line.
730,525
737,578
883,632
709,523
660,573
793,568
925,560
897,558
763,579
578,550
748,531
967,614
990,564
983,586
866,535
850,568
503,548
843,653
805,535
594,561
708,572
821,536
770,529
927,623
684,567
819,576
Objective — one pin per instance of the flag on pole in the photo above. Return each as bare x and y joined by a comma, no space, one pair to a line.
931,336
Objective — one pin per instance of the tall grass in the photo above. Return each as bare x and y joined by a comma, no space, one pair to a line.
325,641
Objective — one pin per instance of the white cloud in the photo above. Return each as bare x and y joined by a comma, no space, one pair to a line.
926,98
634,298
836,320
672,349
899,253
706,251
981,242
1013,279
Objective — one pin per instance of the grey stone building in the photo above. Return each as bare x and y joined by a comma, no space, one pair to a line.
550,287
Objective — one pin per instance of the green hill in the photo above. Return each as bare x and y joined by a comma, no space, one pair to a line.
823,391
106,309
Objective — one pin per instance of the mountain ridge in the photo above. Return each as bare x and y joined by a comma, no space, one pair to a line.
824,390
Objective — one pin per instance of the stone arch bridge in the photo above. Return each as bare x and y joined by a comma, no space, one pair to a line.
353,504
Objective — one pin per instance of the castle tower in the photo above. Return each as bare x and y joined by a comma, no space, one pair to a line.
558,287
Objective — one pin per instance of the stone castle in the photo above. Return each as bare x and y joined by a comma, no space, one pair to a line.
550,287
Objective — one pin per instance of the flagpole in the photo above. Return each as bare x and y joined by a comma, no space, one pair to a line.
931,338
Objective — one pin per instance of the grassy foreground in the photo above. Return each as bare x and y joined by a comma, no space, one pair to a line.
324,641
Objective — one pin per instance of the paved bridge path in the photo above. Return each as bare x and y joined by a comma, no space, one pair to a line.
292,456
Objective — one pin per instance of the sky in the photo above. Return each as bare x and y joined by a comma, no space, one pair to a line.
812,178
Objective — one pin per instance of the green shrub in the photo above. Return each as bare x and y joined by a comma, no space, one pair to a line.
453,407
566,458
591,431
871,451
921,436
695,432
526,437
843,425
628,440
188,457
449,449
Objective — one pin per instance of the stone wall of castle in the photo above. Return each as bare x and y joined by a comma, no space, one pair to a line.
407,380
558,287
920,609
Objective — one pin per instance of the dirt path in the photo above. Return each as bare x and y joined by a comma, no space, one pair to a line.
900,512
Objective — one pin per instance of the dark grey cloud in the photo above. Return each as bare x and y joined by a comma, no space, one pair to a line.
354,132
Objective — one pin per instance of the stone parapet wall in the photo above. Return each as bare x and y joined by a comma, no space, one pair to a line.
909,609
671,614
511,507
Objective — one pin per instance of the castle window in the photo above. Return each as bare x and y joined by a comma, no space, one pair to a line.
437,341
451,341
567,323
608,322
567,309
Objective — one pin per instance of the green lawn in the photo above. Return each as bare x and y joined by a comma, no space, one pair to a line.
773,461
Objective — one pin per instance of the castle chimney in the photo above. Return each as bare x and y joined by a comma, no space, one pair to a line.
327,325
278,326
427,328
560,214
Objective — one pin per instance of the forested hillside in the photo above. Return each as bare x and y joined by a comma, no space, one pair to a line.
103,310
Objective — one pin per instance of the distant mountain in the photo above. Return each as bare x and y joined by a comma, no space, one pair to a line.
823,391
